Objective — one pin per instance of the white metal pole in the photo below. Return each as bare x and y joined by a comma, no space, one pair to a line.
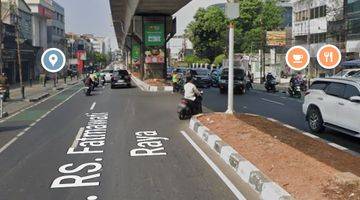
230,109
1,105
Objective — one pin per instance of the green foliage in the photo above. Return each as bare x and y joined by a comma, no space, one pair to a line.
97,58
207,32
219,59
194,59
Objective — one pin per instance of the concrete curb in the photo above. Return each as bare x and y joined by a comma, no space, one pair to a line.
148,88
38,97
248,172
337,146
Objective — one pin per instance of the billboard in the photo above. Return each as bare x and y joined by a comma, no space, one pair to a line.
154,33
276,38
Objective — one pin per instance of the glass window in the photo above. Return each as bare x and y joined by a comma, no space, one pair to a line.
335,89
351,91
319,85
317,12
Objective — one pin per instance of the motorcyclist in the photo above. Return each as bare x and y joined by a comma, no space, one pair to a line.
4,86
191,93
269,77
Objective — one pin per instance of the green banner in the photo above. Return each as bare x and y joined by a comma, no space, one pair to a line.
154,33
135,53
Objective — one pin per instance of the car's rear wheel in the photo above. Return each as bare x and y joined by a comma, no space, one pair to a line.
315,120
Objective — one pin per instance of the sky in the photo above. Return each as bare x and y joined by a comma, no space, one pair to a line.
94,16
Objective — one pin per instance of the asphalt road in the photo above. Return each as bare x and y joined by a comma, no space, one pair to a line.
116,144
277,106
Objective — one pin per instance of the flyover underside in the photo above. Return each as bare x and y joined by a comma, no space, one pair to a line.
124,10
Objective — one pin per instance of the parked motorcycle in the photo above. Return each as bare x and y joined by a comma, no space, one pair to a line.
186,112
295,91
270,85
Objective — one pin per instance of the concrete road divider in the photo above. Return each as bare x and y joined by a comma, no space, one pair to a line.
149,88
250,174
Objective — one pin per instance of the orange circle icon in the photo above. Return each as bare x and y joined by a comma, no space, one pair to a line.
297,58
329,56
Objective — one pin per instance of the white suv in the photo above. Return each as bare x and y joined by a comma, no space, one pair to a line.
333,103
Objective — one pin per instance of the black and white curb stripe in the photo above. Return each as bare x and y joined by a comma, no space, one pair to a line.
251,175
337,146
148,88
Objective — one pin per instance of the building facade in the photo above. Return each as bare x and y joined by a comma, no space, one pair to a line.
316,23
56,28
353,29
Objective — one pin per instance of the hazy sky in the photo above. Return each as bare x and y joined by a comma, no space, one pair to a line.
94,16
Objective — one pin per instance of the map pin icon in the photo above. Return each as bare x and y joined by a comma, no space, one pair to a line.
53,59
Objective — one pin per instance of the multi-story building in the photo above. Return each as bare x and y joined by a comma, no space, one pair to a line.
316,23
56,27
353,29
17,15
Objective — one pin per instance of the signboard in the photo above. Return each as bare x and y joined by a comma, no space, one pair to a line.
232,10
154,32
135,52
276,38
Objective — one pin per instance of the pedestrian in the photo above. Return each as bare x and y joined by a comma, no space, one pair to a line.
250,81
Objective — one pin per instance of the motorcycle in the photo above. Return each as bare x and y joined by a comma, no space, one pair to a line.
185,111
295,91
270,85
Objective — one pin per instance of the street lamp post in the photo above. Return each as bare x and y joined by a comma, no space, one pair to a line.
232,12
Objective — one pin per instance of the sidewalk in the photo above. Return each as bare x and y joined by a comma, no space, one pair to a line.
33,94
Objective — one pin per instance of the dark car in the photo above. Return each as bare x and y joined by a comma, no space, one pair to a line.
120,78
215,77
239,80
201,77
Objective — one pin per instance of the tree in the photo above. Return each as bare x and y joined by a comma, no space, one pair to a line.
257,17
219,59
207,32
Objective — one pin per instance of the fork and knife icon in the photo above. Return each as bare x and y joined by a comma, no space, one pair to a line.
329,56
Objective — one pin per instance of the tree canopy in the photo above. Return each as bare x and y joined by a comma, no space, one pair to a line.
209,30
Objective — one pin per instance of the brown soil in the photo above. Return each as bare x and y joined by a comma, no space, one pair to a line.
306,168
136,74
157,82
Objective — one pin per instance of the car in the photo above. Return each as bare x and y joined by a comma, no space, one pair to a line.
120,78
201,77
333,103
107,73
240,80
214,74
347,73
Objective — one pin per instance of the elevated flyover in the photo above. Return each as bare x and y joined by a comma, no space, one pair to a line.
143,27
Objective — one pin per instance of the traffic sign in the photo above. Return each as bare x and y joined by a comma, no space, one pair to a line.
329,56
297,58
53,60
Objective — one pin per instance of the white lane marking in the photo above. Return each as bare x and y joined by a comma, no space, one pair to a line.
231,186
275,102
27,108
78,135
8,144
337,146
93,106
38,120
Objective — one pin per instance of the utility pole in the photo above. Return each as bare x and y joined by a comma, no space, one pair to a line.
17,29
308,41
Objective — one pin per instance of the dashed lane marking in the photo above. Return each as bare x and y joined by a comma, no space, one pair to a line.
93,106
275,102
